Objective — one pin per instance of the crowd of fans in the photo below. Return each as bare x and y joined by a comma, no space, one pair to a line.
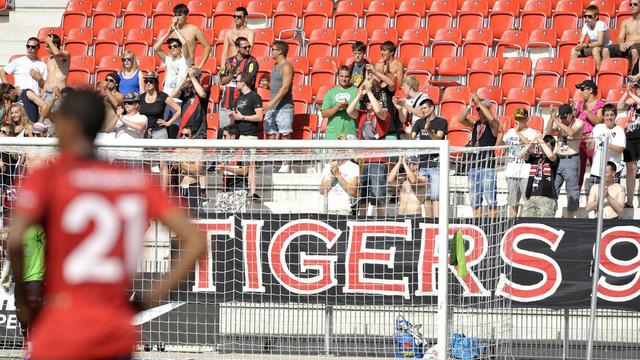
371,101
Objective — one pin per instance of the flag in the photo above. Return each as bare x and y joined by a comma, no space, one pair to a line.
456,254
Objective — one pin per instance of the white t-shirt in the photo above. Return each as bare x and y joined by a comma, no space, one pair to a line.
617,138
21,70
338,198
174,73
593,34
125,132
516,167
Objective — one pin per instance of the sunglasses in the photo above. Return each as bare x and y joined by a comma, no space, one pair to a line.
110,80
185,135
588,16
633,4
174,46
245,47
4,132
149,81
32,46
35,134
238,16
126,59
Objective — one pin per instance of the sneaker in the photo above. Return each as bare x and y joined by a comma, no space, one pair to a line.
284,169
255,197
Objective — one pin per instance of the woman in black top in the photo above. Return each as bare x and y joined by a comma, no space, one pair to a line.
153,104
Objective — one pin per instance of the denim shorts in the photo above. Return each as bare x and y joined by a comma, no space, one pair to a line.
482,182
433,182
279,121
373,183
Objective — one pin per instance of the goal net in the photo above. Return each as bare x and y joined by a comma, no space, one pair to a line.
317,248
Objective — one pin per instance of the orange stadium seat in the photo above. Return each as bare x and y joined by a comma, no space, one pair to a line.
454,100
300,68
139,41
553,96
547,74
265,64
567,42
535,14
319,96
422,68
346,15
477,43
136,15
472,15
302,98
503,16
346,39
44,32
515,73
607,9
378,37
579,70
322,73
414,43
106,15
445,44
566,15
524,97
453,67
491,93
441,15
83,63
147,63
316,15
80,6
199,11
536,122
223,16
409,16
321,43
78,78
458,138
72,19
259,13
379,14
108,42
213,124
81,35
611,75
162,17
512,43
218,45
106,65
433,92
542,44
483,72
615,94
285,18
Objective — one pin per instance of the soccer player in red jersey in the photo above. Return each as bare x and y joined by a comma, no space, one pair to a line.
95,215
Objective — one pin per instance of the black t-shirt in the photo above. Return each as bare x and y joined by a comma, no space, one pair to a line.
437,124
153,111
194,111
632,130
233,182
246,104
542,176
481,136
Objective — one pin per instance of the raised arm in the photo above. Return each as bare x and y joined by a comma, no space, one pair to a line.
157,47
55,51
352,109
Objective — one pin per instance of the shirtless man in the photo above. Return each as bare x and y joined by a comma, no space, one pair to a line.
189,172
390,72
57,67
628,40
191,34
239,29
412,186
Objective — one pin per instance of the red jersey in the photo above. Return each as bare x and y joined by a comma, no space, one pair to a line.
95,215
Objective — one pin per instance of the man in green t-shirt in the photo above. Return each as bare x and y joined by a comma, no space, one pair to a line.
34,247
334,107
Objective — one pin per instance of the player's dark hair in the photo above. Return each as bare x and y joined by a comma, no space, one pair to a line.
180,9
174,40
388,45
613,166
33,38
550,140
282,46
610,107
85,108
428,102
359,46
233,130
594,9
243,10
239,40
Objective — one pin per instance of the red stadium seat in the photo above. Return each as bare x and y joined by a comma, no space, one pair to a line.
379,14
453,67
445,43
612,73
106,65
472,15
458,138
79,41
414,43
566,15
409,16
535,14
300,68
285,18
547,74
536,122
223,16
321,43
491,93
259,13
322,73
542,44
72,20
78,78
606,8
134,19
316,15
483,72
199,11
554,96
108,42
147,63
346,39
83,63
433,92
512,43
106,15
441,15
568,41
453,102
422,68
80,6
378,37
579,70
615,94
302,98
514,73
503,16
346,15
524,97
139,41
477,43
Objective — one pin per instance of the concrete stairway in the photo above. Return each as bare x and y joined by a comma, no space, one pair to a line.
25,21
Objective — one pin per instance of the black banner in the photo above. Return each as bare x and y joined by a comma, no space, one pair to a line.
312,258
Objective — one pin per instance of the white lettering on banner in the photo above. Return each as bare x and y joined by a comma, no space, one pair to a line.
8,317
428,261
204,267
531,261
618,267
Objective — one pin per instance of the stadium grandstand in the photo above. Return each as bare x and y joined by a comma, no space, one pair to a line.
510,124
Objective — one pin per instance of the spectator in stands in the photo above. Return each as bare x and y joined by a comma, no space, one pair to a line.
481,163
6,94
411,185
541,196
233,197
631,100
373,122
32,103
23,68
20,121
390,72
628,45
568,130
239,29
57,69
152,105
430,127
131,124
359,49
340,184
278,119
194,98
589,110
597,34
617,144
240,62
517,171
176,63
408,107
247,115
334,107
613,195
130,76
40,130
189,35
190,173
107,132
110,90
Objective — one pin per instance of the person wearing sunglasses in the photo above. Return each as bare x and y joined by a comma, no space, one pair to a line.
238,30
153,103
131,124
176,62
595,35
22,67
241,62
189,35
568,129
130,75
109,90
628,44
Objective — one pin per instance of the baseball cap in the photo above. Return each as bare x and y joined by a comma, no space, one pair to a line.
521,113
564,110
587,84
151,75
132,97
413,159
114,75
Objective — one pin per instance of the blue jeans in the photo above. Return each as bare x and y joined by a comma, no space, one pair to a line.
482,182
568,172
433,182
